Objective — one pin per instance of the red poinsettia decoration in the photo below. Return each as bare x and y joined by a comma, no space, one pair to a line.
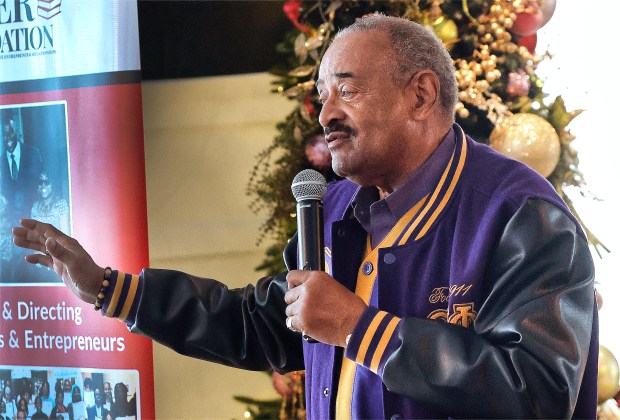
292,10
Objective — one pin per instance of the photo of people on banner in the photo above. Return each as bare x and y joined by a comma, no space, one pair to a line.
34,181
68,393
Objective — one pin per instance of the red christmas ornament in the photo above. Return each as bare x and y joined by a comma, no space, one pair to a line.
529,42
527,23
292,10
518,83
317,152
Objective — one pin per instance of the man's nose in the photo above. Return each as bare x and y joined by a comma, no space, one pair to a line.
331,111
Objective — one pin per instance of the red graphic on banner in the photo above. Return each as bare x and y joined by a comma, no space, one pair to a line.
46,334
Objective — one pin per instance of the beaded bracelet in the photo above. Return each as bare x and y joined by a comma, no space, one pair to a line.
107,274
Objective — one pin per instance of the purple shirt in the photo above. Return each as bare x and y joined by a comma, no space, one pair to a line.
378,217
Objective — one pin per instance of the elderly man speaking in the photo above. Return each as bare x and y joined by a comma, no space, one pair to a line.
464,290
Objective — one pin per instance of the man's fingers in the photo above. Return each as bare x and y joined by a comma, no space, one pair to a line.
290,326
20,232
28,223
27,237
33,230
292,309
22,242
39,259
58,251
292,295
296,278
39,232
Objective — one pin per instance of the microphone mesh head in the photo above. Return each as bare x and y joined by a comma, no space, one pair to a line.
309,184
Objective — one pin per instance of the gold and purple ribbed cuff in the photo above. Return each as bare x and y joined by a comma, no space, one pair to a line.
122,298
374,339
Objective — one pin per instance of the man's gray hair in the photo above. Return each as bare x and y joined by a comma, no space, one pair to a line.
416,48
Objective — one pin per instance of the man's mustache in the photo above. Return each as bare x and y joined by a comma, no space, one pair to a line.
339,126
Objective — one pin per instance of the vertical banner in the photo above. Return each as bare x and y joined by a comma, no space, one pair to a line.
72,154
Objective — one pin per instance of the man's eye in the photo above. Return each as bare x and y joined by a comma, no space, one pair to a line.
345,93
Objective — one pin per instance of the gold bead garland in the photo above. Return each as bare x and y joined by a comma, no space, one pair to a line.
475,78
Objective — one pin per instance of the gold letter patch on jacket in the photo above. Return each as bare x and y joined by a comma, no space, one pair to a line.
462,314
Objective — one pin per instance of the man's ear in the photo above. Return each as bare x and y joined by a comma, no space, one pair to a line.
423,91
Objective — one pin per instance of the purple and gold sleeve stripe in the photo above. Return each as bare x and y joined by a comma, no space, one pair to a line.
122,298
374,339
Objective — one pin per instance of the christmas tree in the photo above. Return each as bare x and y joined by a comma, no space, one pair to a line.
501,103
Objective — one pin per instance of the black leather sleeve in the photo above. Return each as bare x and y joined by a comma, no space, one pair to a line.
526,354
202,318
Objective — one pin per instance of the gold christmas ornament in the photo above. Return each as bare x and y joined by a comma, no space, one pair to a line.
608,374
446,30
530,139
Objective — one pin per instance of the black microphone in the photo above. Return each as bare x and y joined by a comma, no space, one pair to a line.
309,188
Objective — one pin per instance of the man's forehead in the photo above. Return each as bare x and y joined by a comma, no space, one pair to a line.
350,55
340,63
338,52
337,76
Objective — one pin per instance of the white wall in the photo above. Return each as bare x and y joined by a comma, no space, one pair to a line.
201,139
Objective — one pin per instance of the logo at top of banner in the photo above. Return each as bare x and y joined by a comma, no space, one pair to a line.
47,9
27,27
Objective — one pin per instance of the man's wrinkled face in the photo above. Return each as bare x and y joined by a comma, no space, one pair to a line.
364,112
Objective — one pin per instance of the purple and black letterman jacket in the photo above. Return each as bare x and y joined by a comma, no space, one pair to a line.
482,304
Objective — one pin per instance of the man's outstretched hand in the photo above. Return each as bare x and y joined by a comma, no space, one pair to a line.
63,254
